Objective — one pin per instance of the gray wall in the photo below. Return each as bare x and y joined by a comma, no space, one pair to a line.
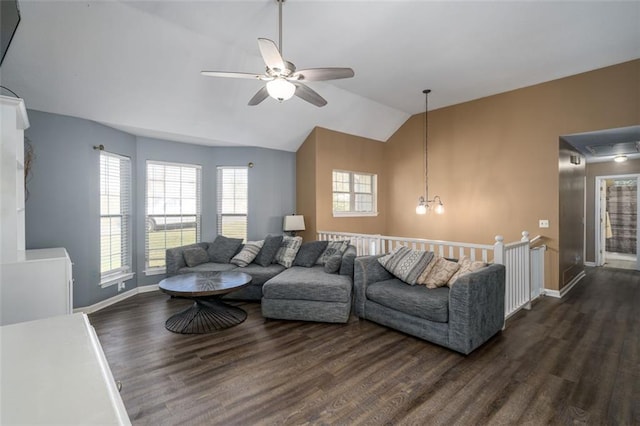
63,207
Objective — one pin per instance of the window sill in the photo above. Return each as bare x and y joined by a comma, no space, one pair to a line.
151,272
355,214
116,279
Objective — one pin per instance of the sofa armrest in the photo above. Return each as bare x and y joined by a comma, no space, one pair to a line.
174,257
476,308
367,270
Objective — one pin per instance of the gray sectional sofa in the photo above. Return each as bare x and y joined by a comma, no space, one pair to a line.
307,293
461,318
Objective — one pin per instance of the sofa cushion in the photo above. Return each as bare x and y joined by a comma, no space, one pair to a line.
288,251
299,283
406,264
440,273
268,251
222,249
309,253
261,274
208,267
466,267
247,254
334,247
194,256
419,301
332,265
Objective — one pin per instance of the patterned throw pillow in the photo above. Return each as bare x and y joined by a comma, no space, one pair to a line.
287,251
269,250
195,256
222,249
247,254
332,265
466,267
333,248
406,264
441,272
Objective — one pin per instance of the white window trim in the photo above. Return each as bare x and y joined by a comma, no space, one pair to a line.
163,270
124,273
353,213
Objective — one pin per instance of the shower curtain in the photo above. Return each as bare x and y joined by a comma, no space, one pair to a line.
622,211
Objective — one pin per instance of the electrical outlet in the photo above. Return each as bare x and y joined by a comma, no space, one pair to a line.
543,223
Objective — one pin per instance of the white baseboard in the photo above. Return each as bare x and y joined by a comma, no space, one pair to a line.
590,264
115,299
563,292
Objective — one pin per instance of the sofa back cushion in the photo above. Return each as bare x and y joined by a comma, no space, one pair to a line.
268,251
309,253
222,249
194,256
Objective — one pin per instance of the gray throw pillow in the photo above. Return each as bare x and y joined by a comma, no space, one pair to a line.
332,265
334,247
222,249
195,256
268,251
309,253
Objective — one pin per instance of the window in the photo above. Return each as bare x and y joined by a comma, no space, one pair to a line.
354,194
172,210
233,188
115,218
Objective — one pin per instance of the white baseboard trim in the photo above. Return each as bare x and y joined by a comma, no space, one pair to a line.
590,264
115,299
563,292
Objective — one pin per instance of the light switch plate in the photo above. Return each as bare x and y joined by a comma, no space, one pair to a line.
543,223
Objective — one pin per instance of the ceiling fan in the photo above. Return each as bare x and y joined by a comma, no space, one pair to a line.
281,77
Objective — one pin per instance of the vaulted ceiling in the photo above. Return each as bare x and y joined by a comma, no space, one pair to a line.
136,65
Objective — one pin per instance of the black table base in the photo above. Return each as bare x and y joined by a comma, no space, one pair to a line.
205,316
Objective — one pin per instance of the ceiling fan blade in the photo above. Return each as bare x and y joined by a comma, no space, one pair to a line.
320,74
308,94
271,55
260,96
232,74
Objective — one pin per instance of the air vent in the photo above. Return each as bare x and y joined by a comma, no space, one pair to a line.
605,150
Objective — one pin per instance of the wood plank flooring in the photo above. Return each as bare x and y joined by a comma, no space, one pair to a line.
569,361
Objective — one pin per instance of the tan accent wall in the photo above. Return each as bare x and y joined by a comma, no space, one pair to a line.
609,168
323,151
494,161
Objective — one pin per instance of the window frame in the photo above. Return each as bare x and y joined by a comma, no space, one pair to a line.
220,196
157,270
352,194
124,272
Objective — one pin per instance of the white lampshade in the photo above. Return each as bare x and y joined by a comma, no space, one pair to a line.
280,89
293,223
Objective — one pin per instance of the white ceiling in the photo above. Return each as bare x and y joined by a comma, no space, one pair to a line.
136,65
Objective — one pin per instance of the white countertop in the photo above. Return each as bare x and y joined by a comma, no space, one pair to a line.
53,371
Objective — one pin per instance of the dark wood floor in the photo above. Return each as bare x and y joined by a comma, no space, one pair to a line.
570,361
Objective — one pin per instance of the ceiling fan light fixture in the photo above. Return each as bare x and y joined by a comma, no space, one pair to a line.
281,89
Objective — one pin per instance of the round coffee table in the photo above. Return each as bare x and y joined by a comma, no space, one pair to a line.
208,312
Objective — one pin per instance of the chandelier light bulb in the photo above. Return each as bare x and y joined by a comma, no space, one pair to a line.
439,209
280,89
422,206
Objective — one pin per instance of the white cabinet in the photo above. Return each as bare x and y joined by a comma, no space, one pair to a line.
54,372
38,284
33,283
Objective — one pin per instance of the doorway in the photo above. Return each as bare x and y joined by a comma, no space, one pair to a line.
617,221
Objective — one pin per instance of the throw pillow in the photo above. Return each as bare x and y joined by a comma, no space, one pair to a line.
268,251
309,253
466,267
247,254
222,249
441,273
406,264
195,256
334,247
288,250
332,265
